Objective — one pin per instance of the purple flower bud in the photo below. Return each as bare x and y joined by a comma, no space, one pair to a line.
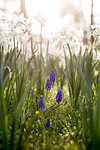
48,84
48,123
30,74
59,96
91,82
41,104
52,77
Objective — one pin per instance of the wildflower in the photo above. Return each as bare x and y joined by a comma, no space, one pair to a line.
30,74
62,63
52,77
91,82
48,84
96,33
36,112
41,104
48,123
59,96
96,73
72,45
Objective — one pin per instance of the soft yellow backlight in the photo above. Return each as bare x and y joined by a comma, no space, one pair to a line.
49,8
96,73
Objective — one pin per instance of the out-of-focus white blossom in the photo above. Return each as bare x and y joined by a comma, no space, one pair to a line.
62,63
63,39
13,27
96,33
72,45
40,18
26,37
93,27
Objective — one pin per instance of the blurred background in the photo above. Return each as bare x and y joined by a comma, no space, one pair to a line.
58,15
50,17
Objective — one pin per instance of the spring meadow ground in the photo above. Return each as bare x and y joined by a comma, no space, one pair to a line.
48,102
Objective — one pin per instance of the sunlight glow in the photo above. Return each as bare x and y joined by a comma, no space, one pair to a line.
49,10
48,7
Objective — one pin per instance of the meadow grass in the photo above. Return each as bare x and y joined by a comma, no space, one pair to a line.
59,113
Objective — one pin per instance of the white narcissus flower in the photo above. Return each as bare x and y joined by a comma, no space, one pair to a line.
62,63
72,45
13,27
96,33
25,37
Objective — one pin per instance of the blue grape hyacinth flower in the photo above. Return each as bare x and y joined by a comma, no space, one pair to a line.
52,77
30,74
48,84
48,123
41,104
59,96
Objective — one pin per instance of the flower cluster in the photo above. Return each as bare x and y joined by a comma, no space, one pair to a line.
51,80
30,73
42,107
59,96
52,77
48,123
41,104
95,32
48,84
13,27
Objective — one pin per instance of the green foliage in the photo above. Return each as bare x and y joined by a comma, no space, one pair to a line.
74,122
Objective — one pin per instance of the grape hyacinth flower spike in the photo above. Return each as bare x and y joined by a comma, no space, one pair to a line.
41,104
59,96
48,84
52,77
48,123
30,74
